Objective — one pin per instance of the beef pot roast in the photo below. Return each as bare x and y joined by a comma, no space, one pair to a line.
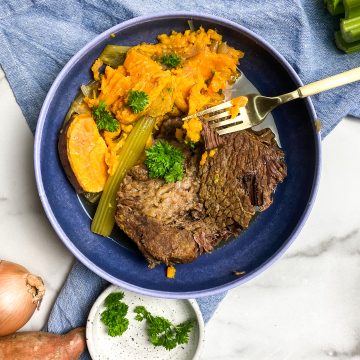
166,220
176,222
241,177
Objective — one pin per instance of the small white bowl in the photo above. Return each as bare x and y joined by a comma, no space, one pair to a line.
134,343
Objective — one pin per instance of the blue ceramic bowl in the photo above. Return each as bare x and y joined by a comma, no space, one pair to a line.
269,235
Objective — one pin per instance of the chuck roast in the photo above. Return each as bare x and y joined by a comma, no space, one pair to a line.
176,222
241,178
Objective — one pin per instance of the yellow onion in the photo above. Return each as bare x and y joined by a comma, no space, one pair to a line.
20,294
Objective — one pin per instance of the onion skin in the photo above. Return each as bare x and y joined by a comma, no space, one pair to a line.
43,346
20,294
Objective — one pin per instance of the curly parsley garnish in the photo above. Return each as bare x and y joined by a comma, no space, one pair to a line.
137,100
103,119
171,61
162,332
114,315
165,161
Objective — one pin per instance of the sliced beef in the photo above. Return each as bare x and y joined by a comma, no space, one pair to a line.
157,242
242,177
176,222
166,221
211,138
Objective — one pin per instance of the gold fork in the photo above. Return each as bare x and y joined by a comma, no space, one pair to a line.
258,107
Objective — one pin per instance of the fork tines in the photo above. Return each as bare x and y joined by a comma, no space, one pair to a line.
222,106
227,125
240,122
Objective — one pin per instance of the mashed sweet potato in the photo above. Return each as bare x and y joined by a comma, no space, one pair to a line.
181,74
206,67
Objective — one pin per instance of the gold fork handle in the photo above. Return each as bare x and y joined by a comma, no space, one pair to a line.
331,82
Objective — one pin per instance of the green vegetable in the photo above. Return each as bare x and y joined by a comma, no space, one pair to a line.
93,198
350,29
137,100
191,25
171,61
103,119
103,221
352,8
78,106
165,161
345,46
114,55
348,38
114,314
113,298
162,332
335,7
91,89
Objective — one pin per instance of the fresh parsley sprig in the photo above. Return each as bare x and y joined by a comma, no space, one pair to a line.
162,332
114,314
165,161
171,61
137,100
104,120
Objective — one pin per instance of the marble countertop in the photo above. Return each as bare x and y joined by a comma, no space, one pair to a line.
306,306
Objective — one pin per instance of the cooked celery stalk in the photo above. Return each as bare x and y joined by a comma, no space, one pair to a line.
350,29
191,25
352,8
91,89
75,106
92,197
78,106
345,46
103,221
114,55
335,7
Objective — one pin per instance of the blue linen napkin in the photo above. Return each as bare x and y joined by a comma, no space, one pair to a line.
37,37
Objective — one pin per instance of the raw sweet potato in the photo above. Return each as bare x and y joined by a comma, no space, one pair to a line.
82,153
43,346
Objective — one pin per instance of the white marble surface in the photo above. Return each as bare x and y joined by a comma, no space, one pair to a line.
306,306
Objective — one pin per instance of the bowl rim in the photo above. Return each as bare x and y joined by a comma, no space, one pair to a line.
111,288
56,225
